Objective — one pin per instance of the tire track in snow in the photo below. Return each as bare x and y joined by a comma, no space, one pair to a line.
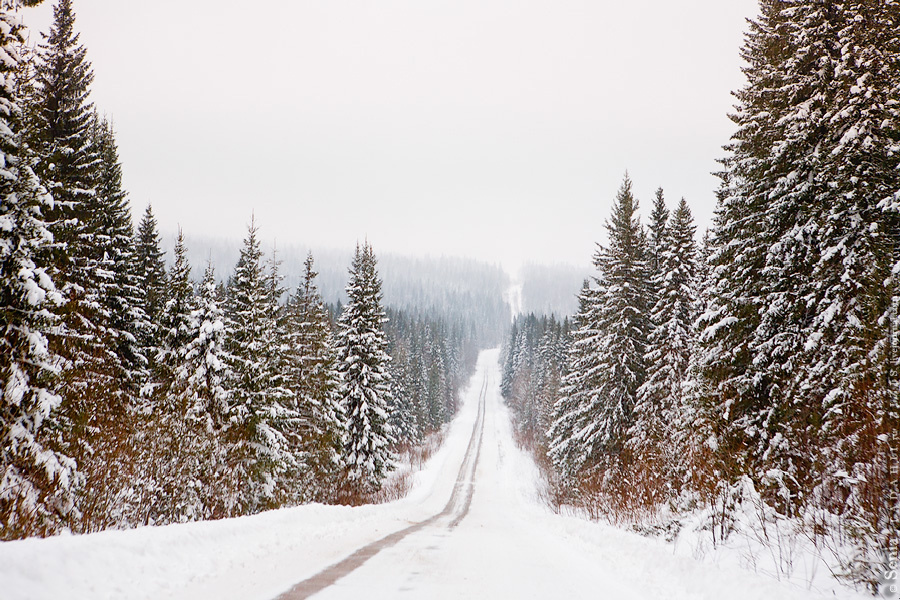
458,505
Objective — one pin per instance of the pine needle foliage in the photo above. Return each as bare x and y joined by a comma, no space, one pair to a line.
363,363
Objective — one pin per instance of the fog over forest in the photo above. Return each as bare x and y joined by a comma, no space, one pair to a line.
409,282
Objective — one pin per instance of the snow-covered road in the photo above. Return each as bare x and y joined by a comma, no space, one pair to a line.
507,544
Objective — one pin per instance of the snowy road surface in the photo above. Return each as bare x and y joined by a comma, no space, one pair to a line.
499,542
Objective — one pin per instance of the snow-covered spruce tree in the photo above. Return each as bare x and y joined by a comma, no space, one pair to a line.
93,382
174,319
61,132
436,382
150,276
313,379
694,433
203,372
510,358
551,361
620,316
858,178
404,415
420,375
752,298
61,136
166,474
200,382
261,453
521,389
659,409
792,338
36,482
566,450
114,242
288,422
535,380
414,385
656,234
164,488
365,380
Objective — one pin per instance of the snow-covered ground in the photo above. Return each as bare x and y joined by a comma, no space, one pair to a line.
509,545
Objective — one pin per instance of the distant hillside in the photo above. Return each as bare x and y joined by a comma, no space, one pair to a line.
551,289
454,289
449,287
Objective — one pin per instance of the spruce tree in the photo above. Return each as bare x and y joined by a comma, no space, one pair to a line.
287,421
365,381
551,358
175,317
742,239
256,434
93,381
404,414
37,482
314,381
201,381
150,276
581,371
115,245
795,329
202,373
657,233
809,164
659,410
620,315
61,133
168,481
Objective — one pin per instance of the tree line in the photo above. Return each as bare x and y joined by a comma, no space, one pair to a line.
131,394
758,368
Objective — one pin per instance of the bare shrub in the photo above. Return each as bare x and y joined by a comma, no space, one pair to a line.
395,488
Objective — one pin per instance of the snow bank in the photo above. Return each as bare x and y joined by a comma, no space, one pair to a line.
244,558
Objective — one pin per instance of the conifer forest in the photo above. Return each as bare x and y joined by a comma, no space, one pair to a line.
134,395
748,373
756,366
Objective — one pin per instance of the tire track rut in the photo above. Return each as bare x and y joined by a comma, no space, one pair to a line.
458,505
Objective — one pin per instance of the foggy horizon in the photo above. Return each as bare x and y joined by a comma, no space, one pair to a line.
499,132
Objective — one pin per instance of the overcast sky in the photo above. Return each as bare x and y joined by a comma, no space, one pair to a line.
498,129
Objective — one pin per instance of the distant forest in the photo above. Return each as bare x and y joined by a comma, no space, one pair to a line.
444,283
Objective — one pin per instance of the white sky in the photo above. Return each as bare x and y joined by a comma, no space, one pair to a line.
498,129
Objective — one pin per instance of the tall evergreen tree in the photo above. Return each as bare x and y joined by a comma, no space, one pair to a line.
365,381
150,276
175,317
579,376
795,329
202,373
62,138
606,364
93,382
314,380
659,410
201,381
36,481
281,395
745,245
657,233
256,409
115,245
621,318
404,414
